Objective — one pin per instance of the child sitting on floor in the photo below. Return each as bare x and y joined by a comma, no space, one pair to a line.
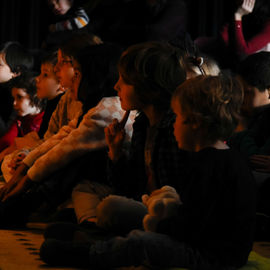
48,88
70,18
14,61
28,106
214,223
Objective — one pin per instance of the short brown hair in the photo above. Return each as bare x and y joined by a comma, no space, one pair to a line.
155,71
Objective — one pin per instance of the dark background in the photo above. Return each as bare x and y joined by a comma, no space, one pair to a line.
27,20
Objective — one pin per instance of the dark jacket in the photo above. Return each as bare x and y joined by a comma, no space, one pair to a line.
217,216
128,176
7,113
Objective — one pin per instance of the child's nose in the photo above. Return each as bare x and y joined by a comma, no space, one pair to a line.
116,87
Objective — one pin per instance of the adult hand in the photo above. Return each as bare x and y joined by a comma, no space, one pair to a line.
18,175
245,9
260,163
115,135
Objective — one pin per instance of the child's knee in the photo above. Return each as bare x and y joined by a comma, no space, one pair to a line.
120,213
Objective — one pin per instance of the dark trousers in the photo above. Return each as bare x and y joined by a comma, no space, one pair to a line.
54,190
151,249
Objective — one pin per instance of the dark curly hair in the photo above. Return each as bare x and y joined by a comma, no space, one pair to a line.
255,70
18,58
27,82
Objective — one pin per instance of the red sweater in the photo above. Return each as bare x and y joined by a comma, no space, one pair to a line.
243,46
20,127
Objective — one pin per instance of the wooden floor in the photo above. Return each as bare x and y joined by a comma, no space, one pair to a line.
19,250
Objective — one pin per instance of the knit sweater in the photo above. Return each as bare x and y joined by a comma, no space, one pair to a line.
66,110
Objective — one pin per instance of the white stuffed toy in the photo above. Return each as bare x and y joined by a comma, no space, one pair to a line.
161,204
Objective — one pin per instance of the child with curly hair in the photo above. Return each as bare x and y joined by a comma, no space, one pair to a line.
213,226
28,106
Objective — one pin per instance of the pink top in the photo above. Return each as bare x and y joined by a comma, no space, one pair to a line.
257,43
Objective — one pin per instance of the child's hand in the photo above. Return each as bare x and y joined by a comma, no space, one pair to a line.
16,161
245,9
13,182
115,135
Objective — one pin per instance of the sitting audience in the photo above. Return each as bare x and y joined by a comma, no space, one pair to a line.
213,225
70,144
29,108
253,136
48,88
14,61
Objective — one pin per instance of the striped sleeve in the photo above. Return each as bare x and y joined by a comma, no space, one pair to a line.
79,20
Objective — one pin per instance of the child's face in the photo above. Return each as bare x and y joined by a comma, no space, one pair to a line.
5,73
129,99
47,82
183,131
60,7
22,102
65,72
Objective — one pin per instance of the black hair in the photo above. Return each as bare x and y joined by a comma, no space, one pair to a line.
49,57
76,43
254,22
155,70
27,82
255,70
98,67
17,57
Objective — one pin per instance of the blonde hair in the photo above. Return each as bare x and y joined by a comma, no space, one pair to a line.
201,66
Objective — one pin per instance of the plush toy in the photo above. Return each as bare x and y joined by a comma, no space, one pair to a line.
161,204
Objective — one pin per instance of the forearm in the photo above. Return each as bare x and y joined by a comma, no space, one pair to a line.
252,45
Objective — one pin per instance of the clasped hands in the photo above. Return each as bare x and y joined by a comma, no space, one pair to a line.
19,183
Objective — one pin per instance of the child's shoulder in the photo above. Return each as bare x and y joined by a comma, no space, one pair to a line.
219,157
